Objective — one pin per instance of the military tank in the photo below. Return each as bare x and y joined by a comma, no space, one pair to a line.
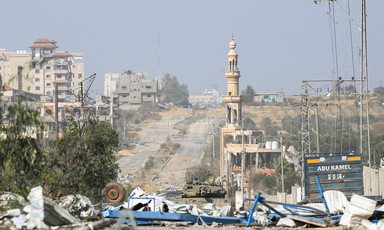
206,189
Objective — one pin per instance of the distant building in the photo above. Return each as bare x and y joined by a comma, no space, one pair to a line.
110,82
49,67
39,70
268,97
14,65
207,98
131,87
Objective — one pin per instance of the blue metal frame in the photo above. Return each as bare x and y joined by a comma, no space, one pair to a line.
167,216
253,209
321,193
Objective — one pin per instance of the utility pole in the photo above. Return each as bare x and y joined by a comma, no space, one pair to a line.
317,129
111,113
213,142
364,30
282,163
305,137
361,75
242,162
57,110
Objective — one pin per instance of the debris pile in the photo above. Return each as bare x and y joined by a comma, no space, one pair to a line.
152,209
40,212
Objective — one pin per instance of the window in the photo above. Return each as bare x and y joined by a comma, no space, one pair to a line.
80,75
48,67
148,86
37,79
37,71
48,84
148,95
58,76
48,76
124,87
37,88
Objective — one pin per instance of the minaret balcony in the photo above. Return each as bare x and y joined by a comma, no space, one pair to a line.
232,74
233,98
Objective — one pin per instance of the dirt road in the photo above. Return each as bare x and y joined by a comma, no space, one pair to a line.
152,135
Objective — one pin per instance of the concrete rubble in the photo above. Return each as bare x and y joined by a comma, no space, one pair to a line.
335,211
39,212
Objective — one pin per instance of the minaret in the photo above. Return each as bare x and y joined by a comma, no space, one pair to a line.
233,99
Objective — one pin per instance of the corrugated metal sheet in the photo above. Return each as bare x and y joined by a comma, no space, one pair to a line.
336,171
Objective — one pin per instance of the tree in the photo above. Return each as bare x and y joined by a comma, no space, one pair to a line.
268,127
84,159
248,123
249,94
21,156
379,91
174,92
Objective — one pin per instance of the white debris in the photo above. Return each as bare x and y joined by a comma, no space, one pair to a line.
78,205
225,211
55,215
368,225
336,201
239,200
286,222
19,221
358,208
36,214
8,198
139,201
11,213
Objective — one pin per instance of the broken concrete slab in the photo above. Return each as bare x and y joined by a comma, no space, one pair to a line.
358,208
55,215
8,199
78,205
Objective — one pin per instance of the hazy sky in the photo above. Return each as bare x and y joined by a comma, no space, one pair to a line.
280,43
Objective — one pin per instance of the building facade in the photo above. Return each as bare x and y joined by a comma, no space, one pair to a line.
40,69
268,97
49,67
14,69
131,87
207,98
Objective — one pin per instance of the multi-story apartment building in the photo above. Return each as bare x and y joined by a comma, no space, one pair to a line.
49,67
131,87
39,70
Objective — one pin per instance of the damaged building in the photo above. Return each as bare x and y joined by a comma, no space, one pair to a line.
132,88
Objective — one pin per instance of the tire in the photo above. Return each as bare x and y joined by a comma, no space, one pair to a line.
113,193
